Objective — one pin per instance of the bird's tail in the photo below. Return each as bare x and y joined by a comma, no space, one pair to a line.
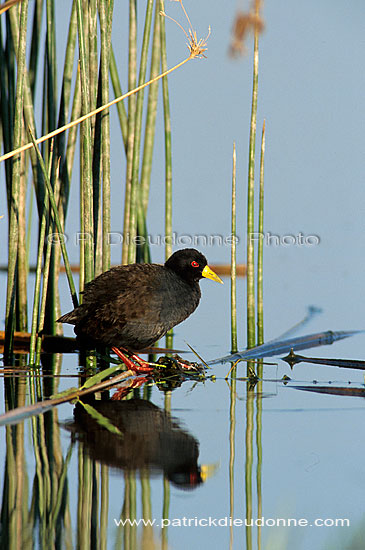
69,317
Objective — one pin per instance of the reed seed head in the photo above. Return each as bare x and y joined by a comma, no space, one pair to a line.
195,46
244,23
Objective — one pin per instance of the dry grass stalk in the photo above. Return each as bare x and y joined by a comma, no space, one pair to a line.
7,5
88,115
196,48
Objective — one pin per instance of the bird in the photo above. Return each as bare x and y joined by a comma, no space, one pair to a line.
152,440
129,307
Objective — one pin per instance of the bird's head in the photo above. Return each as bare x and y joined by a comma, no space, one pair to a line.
191,265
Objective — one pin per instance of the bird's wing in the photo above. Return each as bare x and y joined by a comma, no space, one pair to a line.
124,292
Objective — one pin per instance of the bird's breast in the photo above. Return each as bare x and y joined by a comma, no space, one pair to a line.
178,301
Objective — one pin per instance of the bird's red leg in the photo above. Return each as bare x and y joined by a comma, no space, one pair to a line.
142,366
122,392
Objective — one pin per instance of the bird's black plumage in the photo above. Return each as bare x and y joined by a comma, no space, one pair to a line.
132,306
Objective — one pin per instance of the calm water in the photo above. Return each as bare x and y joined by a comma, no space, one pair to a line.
311,449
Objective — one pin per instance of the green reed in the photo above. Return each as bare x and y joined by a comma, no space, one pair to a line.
143,250
251,340
38,280
259,464
14,200
90,25
86,184
260,339
135,186
232,446
106,17
260,250
151,113
104,505
127,251
166,485
168,157
234,347
57,221
117,88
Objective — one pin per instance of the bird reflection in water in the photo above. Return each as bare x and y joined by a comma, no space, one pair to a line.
151,441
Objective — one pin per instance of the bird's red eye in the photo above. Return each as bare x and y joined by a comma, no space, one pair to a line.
195,264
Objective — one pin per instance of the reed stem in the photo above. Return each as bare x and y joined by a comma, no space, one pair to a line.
260,251
151,112
128,249
122,114
168,156
168,151
86,151
37,286
137,220
106,16
57,221
251,340
233,258
15,188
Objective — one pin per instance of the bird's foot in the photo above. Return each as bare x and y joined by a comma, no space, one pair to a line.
133,362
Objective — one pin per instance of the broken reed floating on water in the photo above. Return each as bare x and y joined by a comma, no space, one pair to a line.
63,344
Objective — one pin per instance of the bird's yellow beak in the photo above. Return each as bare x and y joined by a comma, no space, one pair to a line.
208,470
209,274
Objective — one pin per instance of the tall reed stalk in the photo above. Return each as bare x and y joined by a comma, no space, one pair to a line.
106,18
260,338
168,157
150,126
37,287
14,199
233,258
260,251
149,134
86,195
57,221
251,340
128,249
135,203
